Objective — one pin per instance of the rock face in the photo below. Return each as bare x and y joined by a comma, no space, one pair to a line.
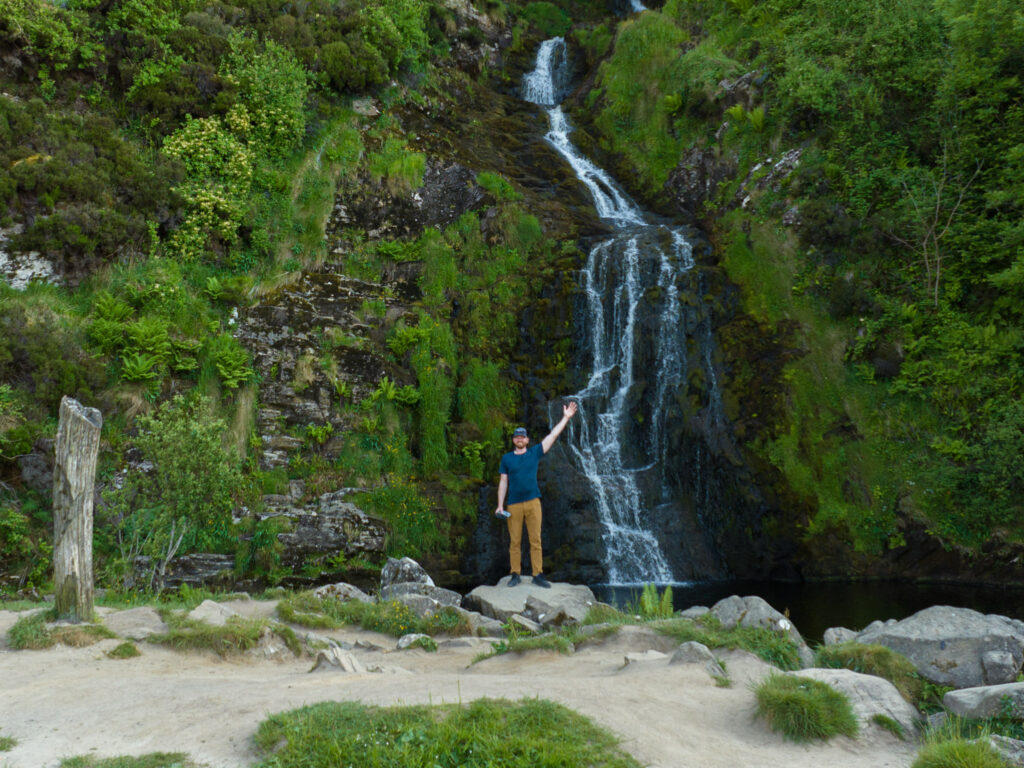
328,527
987,701
869,696
949,646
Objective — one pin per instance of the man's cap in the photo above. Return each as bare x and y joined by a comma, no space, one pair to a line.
520,432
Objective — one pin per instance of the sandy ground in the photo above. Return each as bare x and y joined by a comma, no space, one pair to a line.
73,701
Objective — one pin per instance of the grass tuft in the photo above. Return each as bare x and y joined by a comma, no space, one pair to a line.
803,709
32,633
484,732
151,760
958,753
893,726
874,660
775,648
126,650
7,743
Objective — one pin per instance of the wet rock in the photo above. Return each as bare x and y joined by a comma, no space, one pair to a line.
696,178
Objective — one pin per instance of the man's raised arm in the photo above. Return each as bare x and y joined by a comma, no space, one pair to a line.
568,411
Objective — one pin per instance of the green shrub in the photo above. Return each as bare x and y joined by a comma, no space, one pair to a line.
874,660
958,753
7,743
30,632
549,19
353,65
126,650
803,709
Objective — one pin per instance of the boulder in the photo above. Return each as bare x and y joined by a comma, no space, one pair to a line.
212,613
838,635
439,595
697,653
404,571
270,646
337,660
343,592
754,611
694,612
1011,750
500,602
408,641
135,623
548,615
948,646
330,527
987,701
869,696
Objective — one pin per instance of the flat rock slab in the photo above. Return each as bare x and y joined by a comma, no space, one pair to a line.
987,701
501,602
135,623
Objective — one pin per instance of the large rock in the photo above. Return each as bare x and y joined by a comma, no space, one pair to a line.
330,527
343,592
135,623
404,571
754,611
948,646
501,602
438,594
212,613
869,696
987,701
838,635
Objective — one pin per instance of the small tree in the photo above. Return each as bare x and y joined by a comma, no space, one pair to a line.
180,499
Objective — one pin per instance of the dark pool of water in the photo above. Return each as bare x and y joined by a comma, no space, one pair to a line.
815,606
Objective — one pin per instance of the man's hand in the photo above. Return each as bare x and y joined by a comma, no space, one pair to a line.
569,409
502,513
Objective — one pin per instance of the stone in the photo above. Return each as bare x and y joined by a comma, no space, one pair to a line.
500,602
439,595
947,645
408,641
212,613
693,652
522,622
270,646
999,666
1011,750
754,611
337,660
421,605
694,612
325,530
869,696
342,591
987,701
403,571
316,641
838,635
640,657
135,623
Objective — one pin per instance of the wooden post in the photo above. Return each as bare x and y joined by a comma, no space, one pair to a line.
78,445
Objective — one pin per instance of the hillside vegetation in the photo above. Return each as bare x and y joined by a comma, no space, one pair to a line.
895,245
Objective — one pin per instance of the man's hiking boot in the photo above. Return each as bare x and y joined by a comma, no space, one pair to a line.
514,581
540,581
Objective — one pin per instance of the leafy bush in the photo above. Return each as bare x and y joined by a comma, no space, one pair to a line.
803,709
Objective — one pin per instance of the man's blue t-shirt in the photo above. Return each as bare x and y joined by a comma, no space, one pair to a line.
522,474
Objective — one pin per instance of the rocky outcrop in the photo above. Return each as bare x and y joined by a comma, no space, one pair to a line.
1005,700
135,623
327,528
955,646
502,602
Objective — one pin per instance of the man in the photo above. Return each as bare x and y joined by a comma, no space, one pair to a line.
518,481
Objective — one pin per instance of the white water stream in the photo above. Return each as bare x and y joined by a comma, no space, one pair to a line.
641,259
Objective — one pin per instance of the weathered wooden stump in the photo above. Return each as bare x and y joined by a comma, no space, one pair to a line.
78,445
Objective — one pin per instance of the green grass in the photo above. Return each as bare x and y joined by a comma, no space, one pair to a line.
126,650
151,760
7,743
803,710
874,660
236,636
31,633
958,753
486,732
893,726
390,617
777,649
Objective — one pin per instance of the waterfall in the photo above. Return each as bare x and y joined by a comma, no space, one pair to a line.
619,440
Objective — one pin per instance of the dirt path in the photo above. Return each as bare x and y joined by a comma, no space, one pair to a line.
72,701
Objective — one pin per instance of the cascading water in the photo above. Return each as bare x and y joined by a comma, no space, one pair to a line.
619,442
